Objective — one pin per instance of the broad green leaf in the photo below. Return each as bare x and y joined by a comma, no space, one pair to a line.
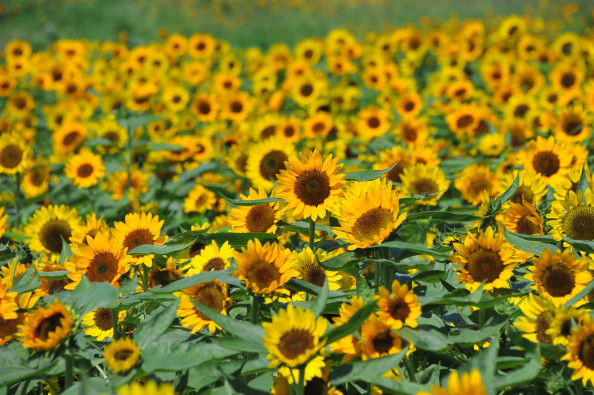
185,356
188,282
583,183
88,386
429,276
340,261
28,282
164,249
57,275
242,329
164,147
425,339
137,119
89,296
156,324
395,387
486,363
362,370
66,252
586,246
441,216
368,175
303,227
14,236
337,333
509,193
318,305
519,242
468,337
479,298
252,202
523,375
416,248
189,175
582,294
14,373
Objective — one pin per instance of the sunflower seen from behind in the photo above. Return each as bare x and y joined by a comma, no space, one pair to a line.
121,355
368,213
46,327
48,226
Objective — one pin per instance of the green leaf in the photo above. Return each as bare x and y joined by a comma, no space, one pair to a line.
586,246
15,373
252,202
395,387
137,119
177,357
189,175
352,324
524,375
441,216
164,147
156,324
89,296
429,276
583,183
57,275
505,196
88,386
242,329
164,249
486,363
340,261
318,305
425,339
368,175
582,294
522,244
14,236
66,252
28,282
416,248
188,282
362,370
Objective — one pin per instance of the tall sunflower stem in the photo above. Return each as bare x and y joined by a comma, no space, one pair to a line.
69,375
312,234
410,370
387,272
301,384
255,311
377,269
114,323
145,277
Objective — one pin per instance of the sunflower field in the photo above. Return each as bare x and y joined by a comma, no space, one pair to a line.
408,211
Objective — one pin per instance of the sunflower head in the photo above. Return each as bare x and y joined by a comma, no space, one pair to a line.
581,352
260,218
46,327
212,294
573,215
139,229
121,355
400,307
48,226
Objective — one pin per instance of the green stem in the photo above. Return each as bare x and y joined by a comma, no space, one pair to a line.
377,268
410,370
387,272
13,272
17,196
312,234
68,378
114,323
301,384
482,318
145,277
255,309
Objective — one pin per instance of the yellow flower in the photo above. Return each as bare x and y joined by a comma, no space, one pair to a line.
267,160
139,229
3,219
475,180
259,218
99,323
121,355
14,154
581,352
399,309
212,294
211,257
423,178
307,265
538,314
199,199
573,216
85,169
560,328
378,339
521,218
149,388
44,328
311,185
48,226
466,384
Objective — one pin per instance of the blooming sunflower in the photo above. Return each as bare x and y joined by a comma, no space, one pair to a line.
50,286
266,160
3,219
349,345
310,185
35,181
211,257
121,355
581,352
48,226
531,187
559,276
573,216
149,388
422,178
548,158
307,265
521,218
561,326
99,323
85,169
118,183
10,303
138,229
259,218
91,227
400,307
368,213
199,199
212,294
294,337
264,268
45,327
573,124
474,181
466,383
69,136
378,339
538,313
14,154
101,259
485,257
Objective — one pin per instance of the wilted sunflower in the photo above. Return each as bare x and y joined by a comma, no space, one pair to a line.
14,154
264,268
101,259
211,258
559,276
148,388
212,294
48,226
521,218
260,218
368,213
573,216
422,178
485,257
266,160
466,383
311,185
44,328
538,314
139,229
85,169
581,352
121,355
99,323
294,337
307,265
400,307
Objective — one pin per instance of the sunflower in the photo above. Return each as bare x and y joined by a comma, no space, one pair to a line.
11,303
466,383
412,131
147,388
396,156
118,182
306,89
559,276
211,258
561,325
266,160
205,107
372,122
573,216
9,299
99,323
163,274
14,154
49,285
420,179
139,229
48,226
20,104
319,124
69,136
581,352
310,185
485,257
265,268
237,106
175,98
199,199
521,218
294,337
3,219
538,313
378,339
260,218
91,227
35,181
368,213
476,180
85,169
548,158
101,259
45,327
121,355
531,187
212,294
400,307
307,265
201,46
573,124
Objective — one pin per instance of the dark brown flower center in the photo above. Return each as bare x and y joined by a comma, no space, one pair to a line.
260,218
484,265
123,355
586,352
578,223
523,192
312,187
71,138
48,325
373,122
306,90
85,170
11,156
558,280
526,226
52,232
398,309
216,263
424,185
103,267
138,237
314,274
295,342
464,121
383,342
543,322
262,274
210,294
272,163
572,125
103,319
567,80
394,174
546,163
371,223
